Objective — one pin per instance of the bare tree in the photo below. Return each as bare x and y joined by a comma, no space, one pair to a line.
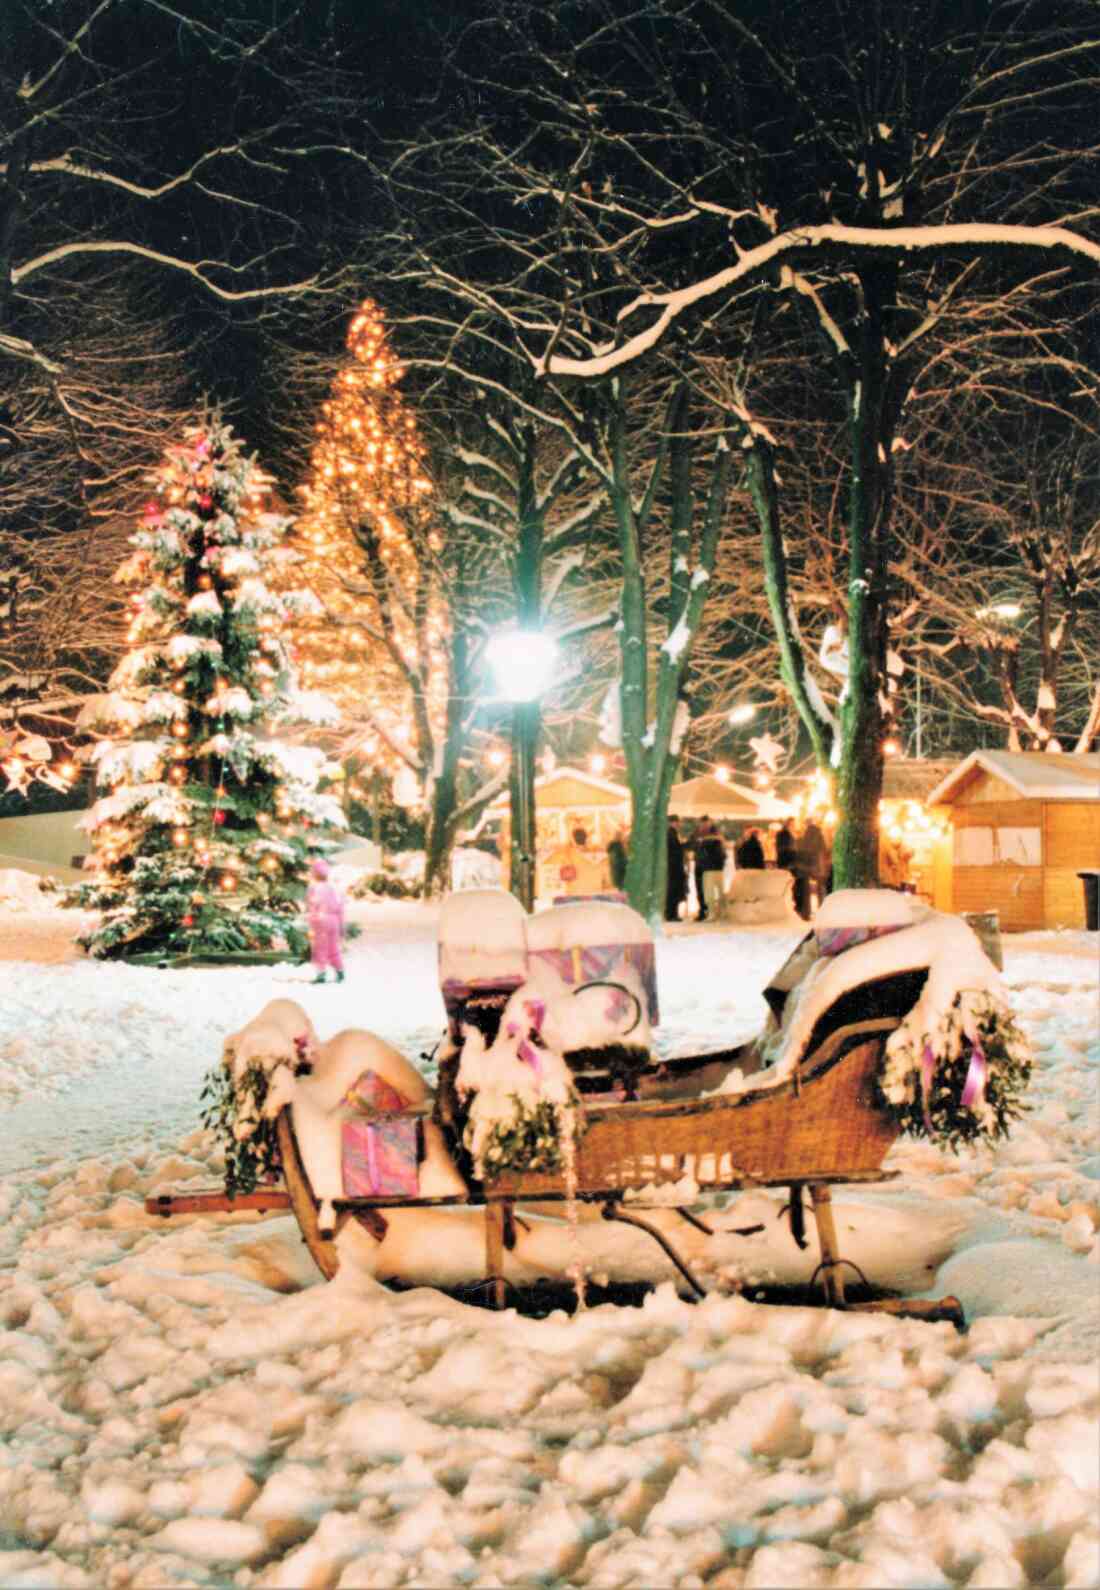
76,447
864,164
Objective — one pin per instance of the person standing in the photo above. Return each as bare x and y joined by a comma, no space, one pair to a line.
617,857
714,867
325,914
786,847
813,856
750,852
676,875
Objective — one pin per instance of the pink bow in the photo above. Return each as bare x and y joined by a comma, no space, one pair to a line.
927,1071
976,1076
535,1011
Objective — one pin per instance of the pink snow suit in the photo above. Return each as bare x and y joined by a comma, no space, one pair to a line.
325,909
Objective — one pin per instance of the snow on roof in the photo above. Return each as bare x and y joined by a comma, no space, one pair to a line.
1034,775
546,781
907,778
708,796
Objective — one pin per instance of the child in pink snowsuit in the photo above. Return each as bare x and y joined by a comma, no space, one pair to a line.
325,910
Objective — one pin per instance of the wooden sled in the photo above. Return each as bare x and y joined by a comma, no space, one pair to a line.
818,1129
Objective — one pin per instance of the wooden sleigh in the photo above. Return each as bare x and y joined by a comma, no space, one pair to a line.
818,1128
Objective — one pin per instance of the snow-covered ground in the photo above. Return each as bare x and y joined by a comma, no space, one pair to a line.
185,1402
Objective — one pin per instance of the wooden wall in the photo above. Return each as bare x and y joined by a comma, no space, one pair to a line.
1049,895
1071,843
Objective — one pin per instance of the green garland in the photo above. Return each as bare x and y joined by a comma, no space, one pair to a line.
934,1109
249,1157
530,1140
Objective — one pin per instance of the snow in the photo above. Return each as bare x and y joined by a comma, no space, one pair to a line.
184,1402
752,263
1034,775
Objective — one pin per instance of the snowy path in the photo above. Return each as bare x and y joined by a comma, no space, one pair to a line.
181,1403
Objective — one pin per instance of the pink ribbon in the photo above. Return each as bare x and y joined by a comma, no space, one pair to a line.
535,1011
927,1071
976,1076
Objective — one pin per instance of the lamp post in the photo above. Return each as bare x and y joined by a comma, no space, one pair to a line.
523,661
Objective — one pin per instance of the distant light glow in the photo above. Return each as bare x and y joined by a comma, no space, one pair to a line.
523,662
743,713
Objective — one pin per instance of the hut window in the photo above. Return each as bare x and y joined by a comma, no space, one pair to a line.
992,847
974,847
1022,846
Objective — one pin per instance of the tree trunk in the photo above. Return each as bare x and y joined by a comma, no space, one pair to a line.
760,470
526,715
859,774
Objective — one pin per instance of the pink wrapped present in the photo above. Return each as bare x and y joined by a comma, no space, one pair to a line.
379,1155
834,941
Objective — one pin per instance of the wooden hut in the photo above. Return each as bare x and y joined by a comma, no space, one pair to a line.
565,800
1024,824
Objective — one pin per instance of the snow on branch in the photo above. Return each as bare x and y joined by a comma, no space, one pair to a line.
194,268
828,238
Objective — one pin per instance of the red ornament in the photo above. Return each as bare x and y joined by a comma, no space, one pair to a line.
219,817
206,500
188,920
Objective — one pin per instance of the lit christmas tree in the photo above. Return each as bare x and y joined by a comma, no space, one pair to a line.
203,835
371,554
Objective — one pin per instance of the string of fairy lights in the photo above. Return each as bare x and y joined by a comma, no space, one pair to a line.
368,536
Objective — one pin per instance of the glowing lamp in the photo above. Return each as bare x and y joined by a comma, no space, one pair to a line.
891,747
523,662
723,774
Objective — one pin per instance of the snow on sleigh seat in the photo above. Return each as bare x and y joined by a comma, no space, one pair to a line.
584,945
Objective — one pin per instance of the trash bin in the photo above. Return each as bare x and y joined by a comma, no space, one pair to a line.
1091,881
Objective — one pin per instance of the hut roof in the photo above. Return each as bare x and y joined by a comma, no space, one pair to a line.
707,796
560,788
1034,775
907,778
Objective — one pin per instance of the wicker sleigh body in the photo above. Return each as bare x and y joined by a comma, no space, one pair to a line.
820,1127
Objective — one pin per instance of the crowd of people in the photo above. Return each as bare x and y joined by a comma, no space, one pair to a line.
799,848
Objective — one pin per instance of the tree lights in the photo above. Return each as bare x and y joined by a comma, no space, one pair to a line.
200,830
369,547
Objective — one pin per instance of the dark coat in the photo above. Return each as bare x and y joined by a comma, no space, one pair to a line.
616,860
786,849
749,853
813,852
710,853
677,872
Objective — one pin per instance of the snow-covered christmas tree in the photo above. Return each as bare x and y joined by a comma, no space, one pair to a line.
204,830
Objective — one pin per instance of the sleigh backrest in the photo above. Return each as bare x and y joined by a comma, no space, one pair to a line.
482,957
592,941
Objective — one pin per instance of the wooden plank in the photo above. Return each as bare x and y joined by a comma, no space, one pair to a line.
998,814
215,1200
494,1252
322,1248
1072,835
1016,893
832,1271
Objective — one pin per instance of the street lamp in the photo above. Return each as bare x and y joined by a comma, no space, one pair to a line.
523,662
